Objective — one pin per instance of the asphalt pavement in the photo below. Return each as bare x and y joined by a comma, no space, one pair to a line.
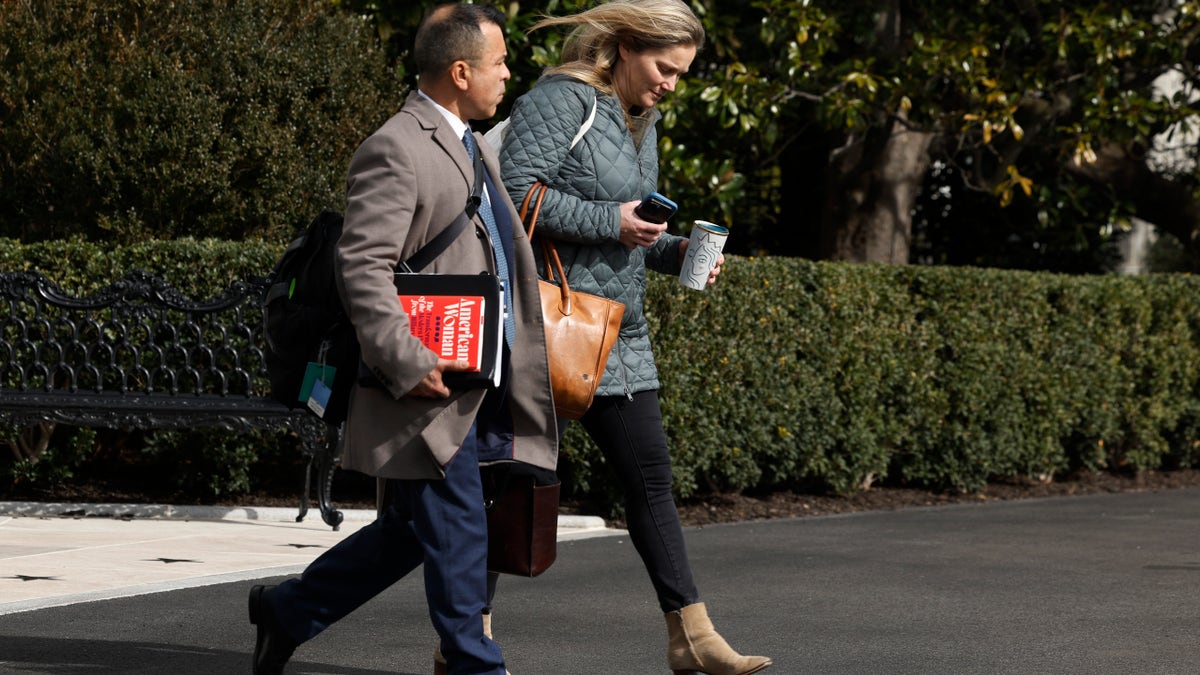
1089,584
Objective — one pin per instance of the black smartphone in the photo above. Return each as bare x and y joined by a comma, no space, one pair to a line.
656,208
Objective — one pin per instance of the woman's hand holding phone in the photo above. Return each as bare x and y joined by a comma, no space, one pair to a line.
635,231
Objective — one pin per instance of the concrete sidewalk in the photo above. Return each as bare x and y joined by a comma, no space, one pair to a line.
60,554
1091,584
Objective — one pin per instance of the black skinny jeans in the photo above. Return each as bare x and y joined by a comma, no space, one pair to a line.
631,436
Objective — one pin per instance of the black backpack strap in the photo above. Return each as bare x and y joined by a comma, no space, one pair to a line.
433,249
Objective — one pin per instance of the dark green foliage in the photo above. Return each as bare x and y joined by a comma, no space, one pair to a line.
790,372
199,268
207,464
121,121
52,467
821,376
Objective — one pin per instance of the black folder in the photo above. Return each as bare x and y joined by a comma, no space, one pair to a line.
490,289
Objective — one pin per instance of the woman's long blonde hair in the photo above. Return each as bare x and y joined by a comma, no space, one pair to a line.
591,48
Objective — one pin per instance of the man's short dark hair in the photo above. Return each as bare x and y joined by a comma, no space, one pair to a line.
450,33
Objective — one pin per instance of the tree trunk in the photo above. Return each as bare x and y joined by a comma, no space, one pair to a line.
874,181
30,443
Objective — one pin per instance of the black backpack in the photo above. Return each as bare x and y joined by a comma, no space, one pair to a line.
308,333
310,342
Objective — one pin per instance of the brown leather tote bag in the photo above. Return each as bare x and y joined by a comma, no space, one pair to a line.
581,328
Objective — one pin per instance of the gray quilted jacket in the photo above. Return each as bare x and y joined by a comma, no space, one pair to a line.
587,183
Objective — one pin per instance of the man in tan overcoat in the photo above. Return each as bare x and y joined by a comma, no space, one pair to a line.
406,183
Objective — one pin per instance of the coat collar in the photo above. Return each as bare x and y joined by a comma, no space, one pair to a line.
431,119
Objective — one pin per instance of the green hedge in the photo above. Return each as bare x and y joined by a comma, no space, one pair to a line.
127,120
829,376
790,372
200,268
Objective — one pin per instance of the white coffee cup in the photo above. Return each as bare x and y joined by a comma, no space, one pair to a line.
703,252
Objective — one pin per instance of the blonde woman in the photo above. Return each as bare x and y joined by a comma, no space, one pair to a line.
619,60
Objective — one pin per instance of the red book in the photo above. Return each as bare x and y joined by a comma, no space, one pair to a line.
451,325
457,316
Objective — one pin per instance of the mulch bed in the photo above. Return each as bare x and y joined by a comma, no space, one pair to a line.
734,508
353,491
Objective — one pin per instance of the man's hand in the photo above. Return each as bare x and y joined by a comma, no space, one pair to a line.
432,385
636,232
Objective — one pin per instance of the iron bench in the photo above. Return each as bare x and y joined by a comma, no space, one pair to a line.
138,354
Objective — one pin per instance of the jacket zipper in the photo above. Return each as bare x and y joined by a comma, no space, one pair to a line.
624,379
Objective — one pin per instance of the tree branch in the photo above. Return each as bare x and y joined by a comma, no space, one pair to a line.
1168,204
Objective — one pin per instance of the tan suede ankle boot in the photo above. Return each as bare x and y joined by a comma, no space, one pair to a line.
439,661
694,647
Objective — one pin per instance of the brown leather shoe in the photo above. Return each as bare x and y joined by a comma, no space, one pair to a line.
273,647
